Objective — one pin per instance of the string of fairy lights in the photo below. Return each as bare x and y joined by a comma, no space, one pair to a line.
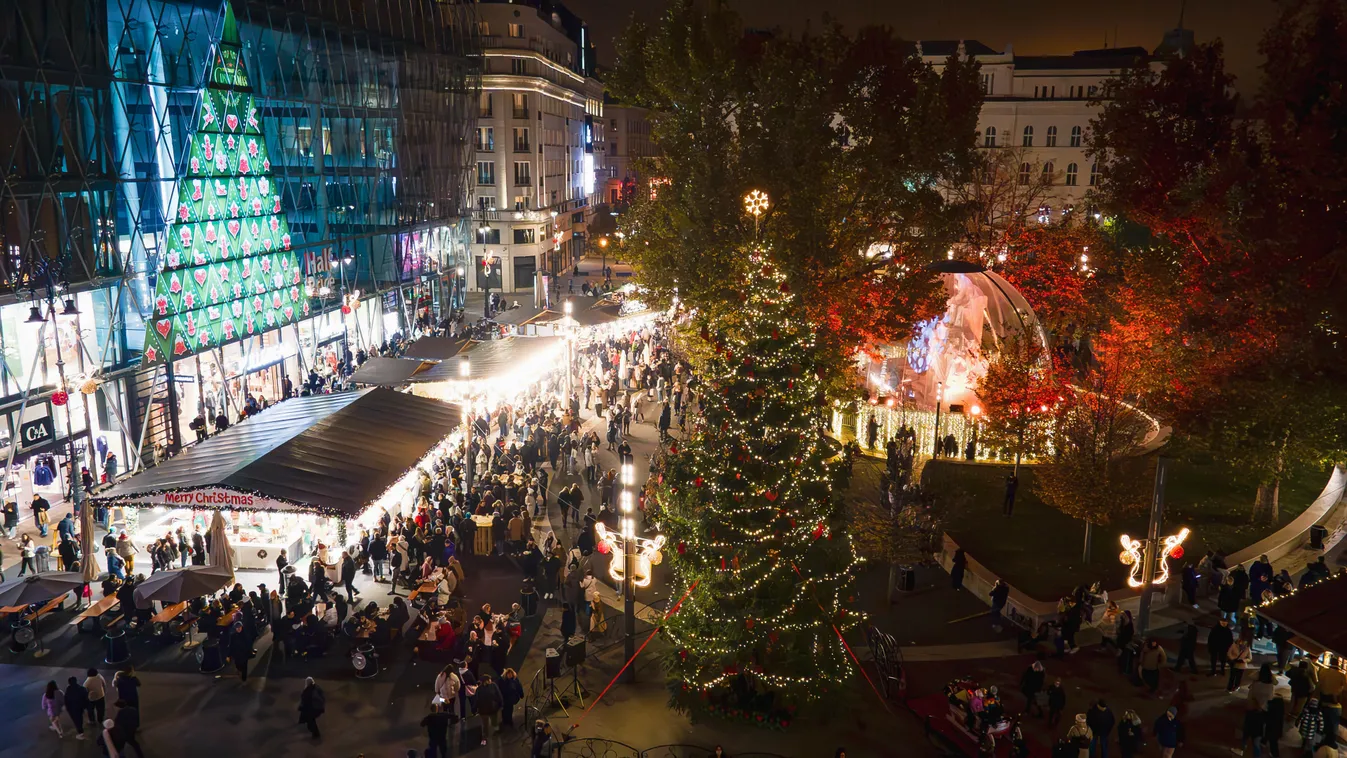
749,498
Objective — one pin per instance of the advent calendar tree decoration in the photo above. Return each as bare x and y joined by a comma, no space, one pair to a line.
228,271
749,508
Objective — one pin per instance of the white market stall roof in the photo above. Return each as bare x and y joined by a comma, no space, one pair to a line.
504,360
389,372
331,454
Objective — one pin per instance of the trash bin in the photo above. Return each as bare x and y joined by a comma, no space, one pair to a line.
907,579
115,648
43,559
208,656
1318,533
21,634
528,600
366,661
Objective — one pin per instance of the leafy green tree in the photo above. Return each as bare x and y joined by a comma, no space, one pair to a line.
851,137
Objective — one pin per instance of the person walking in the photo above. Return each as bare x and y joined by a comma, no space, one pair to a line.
437,730
1153,658
281,562
1031,685
1168,732
1219,640
511,692
240,650
1080,736
76,704
1101,720
957,568
1056,702
1131,736
97,688
489,702
27,552
1311,725
1239,655
127,686
1188,649
53,705
1000,594
311,706
128,723
348,575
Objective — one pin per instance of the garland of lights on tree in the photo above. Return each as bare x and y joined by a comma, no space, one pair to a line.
228,272
757,534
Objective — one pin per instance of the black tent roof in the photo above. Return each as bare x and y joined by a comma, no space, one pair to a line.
434,348
325,453
1317,613
389,372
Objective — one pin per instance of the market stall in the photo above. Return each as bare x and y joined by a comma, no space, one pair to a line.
1316,615
295,475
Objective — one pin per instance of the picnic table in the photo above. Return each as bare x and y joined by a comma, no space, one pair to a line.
169,613
96,612
425,588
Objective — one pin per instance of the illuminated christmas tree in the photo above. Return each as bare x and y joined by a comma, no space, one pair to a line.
229,271
757,535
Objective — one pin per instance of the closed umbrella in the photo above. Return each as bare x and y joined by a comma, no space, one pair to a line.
88,558
221,554
38,588
177,585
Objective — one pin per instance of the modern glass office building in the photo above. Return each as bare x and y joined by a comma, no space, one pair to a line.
341,132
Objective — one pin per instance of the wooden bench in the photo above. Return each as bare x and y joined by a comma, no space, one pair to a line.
53,604
95,612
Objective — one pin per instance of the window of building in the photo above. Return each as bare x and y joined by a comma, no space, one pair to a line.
522,174
1094,90
1028,136
989,137
484,105
483,28
521,104
519,66
1051,140
486,172
524,236
486,138
1075,136
1047,172
488,235
1025,171
988,82
1094,174
516,30
521,139
1071,169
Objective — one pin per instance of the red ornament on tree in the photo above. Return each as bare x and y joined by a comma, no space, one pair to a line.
1177,552
346,310
697,481
682,548
818,530
60,397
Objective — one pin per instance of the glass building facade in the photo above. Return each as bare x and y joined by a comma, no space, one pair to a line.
363,110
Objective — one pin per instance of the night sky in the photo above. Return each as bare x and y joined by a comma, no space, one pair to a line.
1032,26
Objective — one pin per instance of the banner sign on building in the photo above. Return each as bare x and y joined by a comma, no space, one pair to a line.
36,432
228,270
214,498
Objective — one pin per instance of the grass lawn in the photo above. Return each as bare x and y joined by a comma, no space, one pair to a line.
1039,549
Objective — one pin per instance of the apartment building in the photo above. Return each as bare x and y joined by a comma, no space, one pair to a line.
539,144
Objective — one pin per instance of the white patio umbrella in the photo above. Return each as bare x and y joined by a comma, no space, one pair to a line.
38,588
177,585
221,554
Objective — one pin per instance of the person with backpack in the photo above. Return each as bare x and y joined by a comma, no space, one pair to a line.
489,703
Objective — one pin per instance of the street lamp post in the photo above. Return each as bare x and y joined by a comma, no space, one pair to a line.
629,565
38,316
939,398
570,355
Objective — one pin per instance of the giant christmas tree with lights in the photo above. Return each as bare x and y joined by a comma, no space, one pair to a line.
759,542
229,271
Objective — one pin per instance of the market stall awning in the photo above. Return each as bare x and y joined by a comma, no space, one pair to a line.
596,315
325,453
509,359
389,372
1316,614
434,348
517,316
